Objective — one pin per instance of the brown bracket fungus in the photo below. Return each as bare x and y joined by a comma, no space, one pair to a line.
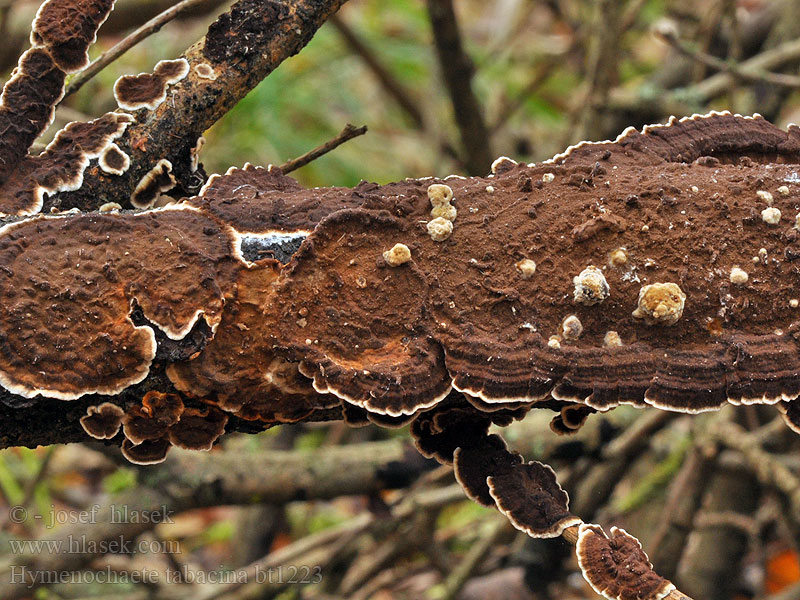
149,452
155,182
152,420
103,422
529,495
61,35
149,90
616,567
176,264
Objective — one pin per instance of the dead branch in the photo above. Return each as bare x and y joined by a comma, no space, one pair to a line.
348,133
106,58
242,47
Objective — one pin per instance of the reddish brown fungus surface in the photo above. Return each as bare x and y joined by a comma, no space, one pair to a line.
238,368
616,567
149,90
102,422
392,340
66,298
67,28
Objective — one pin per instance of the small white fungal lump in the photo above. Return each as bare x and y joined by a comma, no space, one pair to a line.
771,215
618,257
765,196
440,229
591,286
794,302
738,276
660,303
554,342
440,196
571,328
526,268
398,255
783,190
548,177
612,339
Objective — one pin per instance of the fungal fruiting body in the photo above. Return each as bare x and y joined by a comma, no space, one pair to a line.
343,322
661,303
591,286
399,254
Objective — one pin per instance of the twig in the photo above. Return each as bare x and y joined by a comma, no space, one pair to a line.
143,32
390,84
683,502
474,558
348,133
386,79
457,70
736,70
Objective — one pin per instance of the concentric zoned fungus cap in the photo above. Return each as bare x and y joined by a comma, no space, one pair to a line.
67,287
483,458
103,422
149,90
67,28
570,419
392,340
616,567
531,498
153,418
149,452
437,434
238,366
791,414
198,428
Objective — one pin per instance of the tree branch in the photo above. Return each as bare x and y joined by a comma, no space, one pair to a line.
457,70
243,46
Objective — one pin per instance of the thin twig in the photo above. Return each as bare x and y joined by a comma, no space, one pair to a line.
109,56
386,79
391,86
457,70
348,133
737,70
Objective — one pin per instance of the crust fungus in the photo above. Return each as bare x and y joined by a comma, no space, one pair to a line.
68,28
177,265
149,90
205,71
61,35
152,420
114,161
149,452
102,422
660,303
156,181
61,166
616,567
